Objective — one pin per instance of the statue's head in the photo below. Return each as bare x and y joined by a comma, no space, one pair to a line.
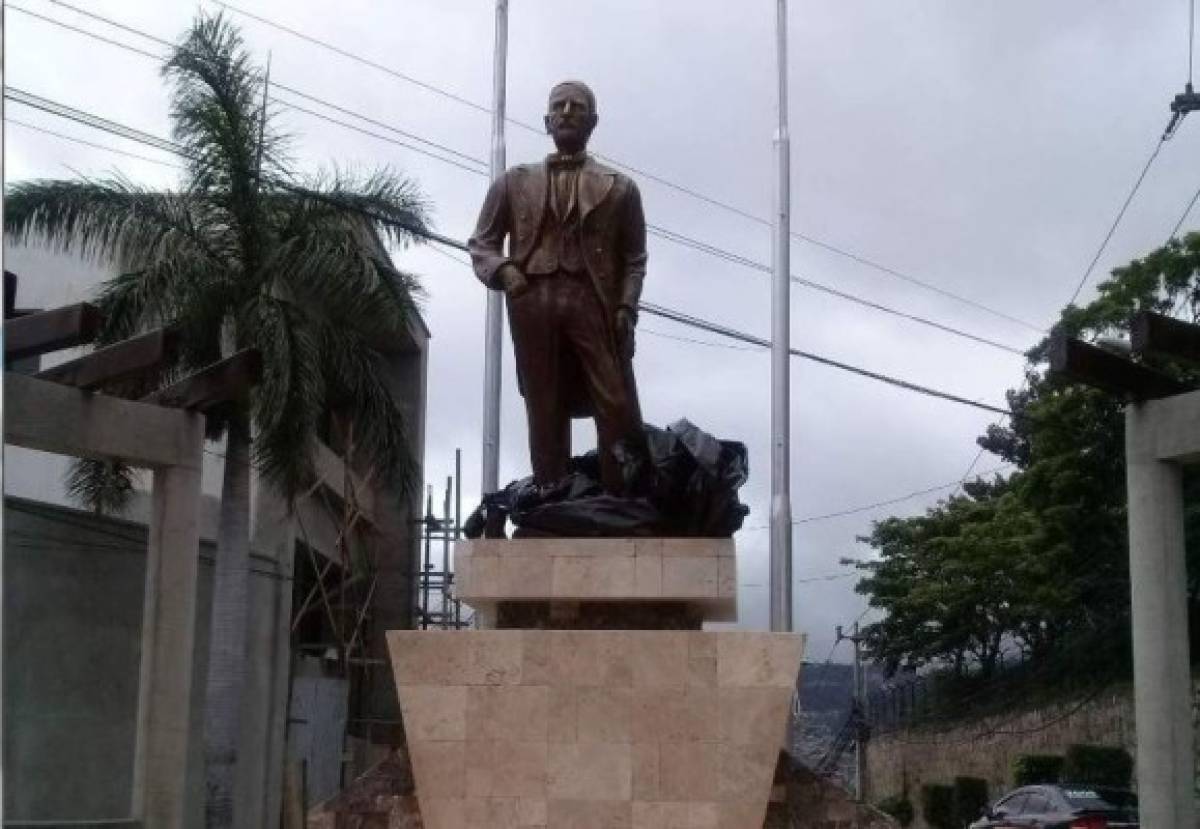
571,116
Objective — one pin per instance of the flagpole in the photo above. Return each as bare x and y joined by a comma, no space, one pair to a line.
494,315
781,504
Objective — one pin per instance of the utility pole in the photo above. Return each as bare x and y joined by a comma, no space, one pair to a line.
494,316
781,231
859,712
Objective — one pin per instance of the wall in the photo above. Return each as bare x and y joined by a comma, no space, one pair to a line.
73,587
987,748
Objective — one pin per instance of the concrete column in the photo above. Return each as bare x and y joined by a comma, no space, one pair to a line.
168,632
261,759
1158,576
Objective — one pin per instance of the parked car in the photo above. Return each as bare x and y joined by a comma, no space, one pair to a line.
1063,806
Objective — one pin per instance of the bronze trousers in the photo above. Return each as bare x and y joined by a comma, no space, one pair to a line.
559,319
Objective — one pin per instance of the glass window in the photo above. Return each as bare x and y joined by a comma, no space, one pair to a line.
1037,804
1011,805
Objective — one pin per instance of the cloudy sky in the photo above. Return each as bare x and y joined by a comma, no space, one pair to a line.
982,148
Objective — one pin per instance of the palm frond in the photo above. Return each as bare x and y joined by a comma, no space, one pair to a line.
103,487
392,204
109,220
217,117
340,280
356,373
182,291
290,399
215,103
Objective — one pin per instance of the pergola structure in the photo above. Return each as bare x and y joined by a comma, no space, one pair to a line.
71,409
1162,434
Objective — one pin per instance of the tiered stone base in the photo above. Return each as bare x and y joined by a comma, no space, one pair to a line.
594,729
568,716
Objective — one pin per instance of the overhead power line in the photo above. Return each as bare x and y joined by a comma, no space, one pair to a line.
1117,219
732,333
481,170
129,133
688,191
108,21
908,496
97,122
428,150
8,119
1183,216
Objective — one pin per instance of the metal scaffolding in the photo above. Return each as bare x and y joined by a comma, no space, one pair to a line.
436,605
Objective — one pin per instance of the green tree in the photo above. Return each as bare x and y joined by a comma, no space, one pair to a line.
951,580
241,256
1042,556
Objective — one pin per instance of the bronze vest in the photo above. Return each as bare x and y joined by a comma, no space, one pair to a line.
558,247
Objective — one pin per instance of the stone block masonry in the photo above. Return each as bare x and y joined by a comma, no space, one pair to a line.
613,729
700,573
567,716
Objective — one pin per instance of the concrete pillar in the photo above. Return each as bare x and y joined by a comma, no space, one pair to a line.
1158,577
264,713
168,631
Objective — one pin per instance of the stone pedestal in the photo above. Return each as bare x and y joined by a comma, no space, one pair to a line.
607,728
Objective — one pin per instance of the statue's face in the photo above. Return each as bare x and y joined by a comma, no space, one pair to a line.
570,118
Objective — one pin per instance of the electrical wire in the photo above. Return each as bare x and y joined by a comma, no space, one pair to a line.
664,335
452,257
762,267
480,170
1183,217
274,84
459,164
98,122
1099,252
732,333
441,91
1117,220
886,503
8,119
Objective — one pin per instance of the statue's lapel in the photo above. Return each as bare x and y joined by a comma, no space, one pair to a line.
594,184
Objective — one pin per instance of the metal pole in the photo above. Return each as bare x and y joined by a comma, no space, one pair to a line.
426,564
457,522
781,502
494,318
457,493
446,554
860,756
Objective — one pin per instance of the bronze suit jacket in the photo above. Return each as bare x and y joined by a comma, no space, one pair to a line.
612,235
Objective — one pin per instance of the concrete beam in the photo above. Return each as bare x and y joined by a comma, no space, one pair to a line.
67,421
1158,581
1097,367
125,360
1175,427
51,330
222,382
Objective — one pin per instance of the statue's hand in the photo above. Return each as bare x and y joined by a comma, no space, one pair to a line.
513,280
626,333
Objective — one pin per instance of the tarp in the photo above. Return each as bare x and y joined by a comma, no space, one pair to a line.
685,483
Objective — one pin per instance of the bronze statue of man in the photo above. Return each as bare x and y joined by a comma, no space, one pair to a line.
572,279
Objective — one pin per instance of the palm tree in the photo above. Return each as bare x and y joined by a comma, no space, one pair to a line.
246,255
